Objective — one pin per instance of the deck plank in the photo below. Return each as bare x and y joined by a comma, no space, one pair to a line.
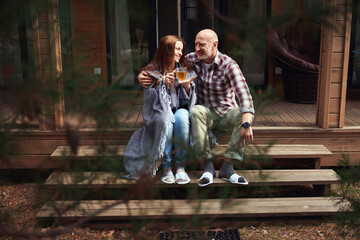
140,120
266,117
258,121
352,114
302,114
286,118
133,116
298,120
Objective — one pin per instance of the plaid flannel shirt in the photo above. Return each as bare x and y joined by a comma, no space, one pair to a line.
218,87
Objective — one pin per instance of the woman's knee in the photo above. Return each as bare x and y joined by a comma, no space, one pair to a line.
182,115
182,123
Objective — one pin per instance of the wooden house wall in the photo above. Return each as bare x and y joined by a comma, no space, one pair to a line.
334,57
89,35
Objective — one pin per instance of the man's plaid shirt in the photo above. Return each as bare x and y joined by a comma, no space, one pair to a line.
216,88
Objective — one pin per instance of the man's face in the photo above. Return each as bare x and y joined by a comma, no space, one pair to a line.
204,48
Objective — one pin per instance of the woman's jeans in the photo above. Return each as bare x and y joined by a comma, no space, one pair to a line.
179,137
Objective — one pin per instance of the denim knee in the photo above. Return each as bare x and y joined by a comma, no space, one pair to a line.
182,124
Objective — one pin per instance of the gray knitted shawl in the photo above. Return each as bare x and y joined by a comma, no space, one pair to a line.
146,146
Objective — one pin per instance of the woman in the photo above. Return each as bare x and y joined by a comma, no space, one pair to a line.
166,106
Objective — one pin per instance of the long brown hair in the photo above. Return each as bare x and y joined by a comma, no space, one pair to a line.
164,55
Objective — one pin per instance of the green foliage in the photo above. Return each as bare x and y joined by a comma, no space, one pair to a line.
87,97
350,192
263,98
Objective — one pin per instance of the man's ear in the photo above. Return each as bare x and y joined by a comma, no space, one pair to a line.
216,43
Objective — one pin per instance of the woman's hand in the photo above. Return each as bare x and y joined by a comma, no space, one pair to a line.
144,79
170,78
186,84
186,81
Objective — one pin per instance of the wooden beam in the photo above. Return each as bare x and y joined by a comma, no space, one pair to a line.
56,62
334,59
167,209
325,65
345,66
37,58
48,64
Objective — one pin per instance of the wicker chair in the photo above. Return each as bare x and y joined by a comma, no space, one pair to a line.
295,48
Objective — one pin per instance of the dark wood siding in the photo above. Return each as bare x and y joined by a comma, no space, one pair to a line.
89,35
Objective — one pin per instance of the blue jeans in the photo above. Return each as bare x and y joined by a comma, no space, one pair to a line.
179,137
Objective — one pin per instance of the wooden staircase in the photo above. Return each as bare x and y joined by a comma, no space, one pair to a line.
109,197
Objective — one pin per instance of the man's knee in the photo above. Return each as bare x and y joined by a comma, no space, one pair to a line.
197,111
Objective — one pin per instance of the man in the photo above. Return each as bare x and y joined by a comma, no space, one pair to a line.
219,82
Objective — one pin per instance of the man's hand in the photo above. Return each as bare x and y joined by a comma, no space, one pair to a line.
144,79
246,134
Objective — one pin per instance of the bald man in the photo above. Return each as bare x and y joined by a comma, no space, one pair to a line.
219,82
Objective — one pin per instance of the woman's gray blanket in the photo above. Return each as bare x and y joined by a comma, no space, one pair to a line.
146,146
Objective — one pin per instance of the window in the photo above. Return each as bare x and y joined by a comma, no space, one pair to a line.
16,64
15,50
354,61
241,42
128,40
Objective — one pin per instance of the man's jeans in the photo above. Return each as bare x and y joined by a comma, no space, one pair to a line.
179,136
204,119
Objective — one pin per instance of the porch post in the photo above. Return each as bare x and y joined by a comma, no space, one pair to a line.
334,60
56,60
48,62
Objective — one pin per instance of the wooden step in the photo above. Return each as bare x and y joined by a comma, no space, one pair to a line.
208,208
281,152
275,151
254,177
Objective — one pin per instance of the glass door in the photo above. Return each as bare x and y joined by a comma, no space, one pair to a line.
131,39
237,24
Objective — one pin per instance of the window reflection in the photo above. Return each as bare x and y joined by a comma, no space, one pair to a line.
127,40
242,41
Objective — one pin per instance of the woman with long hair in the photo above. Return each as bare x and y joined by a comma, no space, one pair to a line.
166,105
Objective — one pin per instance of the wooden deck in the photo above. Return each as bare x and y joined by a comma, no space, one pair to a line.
282,122
277,114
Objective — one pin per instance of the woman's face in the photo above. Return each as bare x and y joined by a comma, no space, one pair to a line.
178,51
